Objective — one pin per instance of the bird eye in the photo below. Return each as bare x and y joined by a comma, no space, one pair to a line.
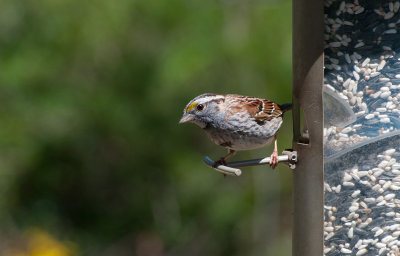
200,107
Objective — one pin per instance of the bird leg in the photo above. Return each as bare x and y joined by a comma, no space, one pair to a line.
222,160
274,156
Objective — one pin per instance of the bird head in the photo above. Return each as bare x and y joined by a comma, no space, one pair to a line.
202,110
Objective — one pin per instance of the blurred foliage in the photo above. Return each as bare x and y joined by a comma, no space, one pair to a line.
90,149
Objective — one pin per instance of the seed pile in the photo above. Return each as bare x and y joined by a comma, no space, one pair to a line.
363,68
362,185
362,200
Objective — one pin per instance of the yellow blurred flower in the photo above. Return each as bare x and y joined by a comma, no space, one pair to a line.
38,242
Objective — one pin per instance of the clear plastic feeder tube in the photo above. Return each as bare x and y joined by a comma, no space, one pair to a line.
361,128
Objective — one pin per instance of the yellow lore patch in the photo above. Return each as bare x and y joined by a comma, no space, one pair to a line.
191,106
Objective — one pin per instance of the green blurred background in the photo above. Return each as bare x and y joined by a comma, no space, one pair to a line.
92,160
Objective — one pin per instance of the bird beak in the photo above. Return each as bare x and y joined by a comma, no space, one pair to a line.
186,118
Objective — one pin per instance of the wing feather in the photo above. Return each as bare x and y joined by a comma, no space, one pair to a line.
260,109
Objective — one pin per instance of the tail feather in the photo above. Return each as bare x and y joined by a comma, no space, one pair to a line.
286,107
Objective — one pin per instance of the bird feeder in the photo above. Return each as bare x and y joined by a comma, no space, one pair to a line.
346,128
362,149
346,67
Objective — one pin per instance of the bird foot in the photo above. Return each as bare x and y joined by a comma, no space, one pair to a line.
274,159
219,162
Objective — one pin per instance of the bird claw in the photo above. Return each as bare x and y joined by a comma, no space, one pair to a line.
273,162
219,162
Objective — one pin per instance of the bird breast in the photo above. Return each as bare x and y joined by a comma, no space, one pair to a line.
240,132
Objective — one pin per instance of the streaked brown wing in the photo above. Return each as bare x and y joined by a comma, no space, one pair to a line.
263,110
260,109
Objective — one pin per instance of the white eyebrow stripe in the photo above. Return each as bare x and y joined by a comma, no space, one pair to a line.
208,99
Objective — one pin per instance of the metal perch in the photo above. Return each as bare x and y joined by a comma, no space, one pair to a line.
288,156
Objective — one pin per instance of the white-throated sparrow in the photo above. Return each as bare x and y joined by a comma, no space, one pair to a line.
237,122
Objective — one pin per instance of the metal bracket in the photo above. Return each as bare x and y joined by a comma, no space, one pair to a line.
289,157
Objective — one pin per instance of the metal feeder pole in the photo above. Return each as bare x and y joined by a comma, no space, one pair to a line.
308,48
